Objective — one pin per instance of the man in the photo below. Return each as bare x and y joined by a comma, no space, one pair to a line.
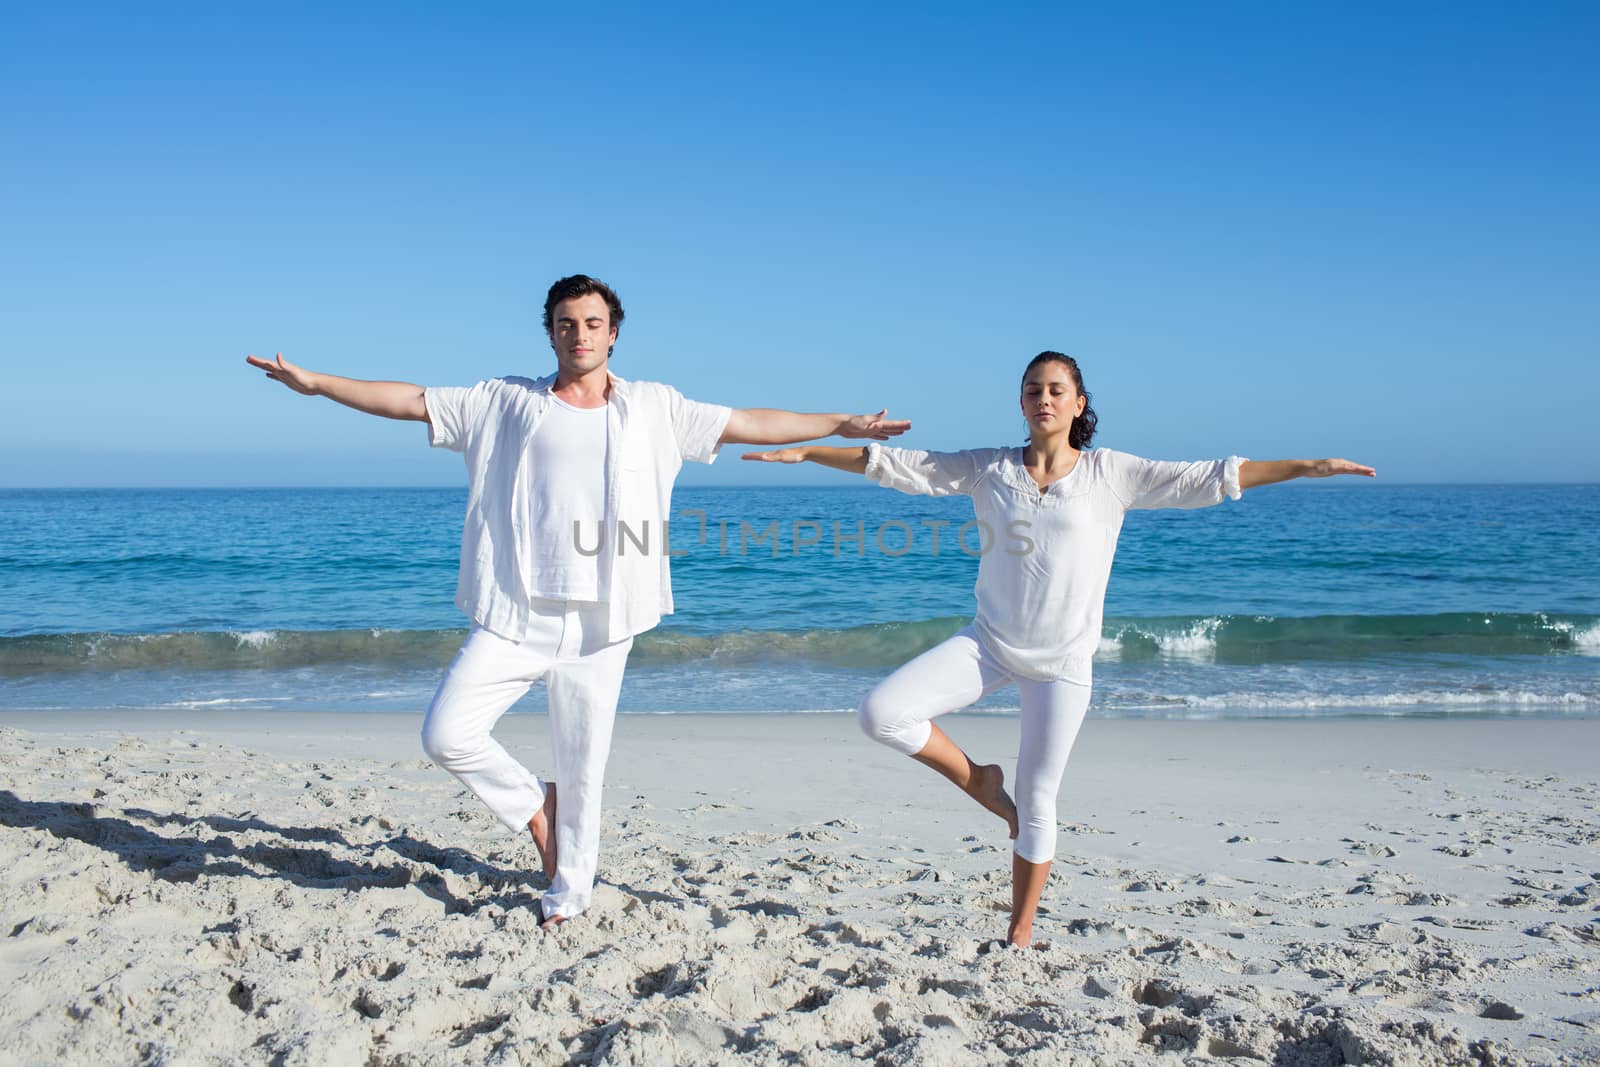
563,554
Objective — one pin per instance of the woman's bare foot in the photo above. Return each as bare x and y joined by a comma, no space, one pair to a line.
1008,944
1027,886
983,782
543,828
988,787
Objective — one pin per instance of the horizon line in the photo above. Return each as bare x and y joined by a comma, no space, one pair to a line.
714,486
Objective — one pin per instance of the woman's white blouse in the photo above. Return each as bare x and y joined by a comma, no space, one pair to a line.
1047,555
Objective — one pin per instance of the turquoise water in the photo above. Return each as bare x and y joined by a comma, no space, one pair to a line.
1303,599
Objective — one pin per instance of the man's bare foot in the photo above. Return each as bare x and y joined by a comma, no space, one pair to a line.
547,924
988,787
543,828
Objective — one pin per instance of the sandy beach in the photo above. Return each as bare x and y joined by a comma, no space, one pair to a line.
308,889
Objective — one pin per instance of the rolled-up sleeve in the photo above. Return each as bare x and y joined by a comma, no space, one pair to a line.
453,413
922,473
1154,483
698,427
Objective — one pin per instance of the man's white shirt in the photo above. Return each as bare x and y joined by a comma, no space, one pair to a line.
650,429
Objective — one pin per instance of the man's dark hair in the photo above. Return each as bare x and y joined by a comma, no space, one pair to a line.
581,285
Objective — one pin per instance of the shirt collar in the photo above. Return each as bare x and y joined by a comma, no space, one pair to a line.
548,382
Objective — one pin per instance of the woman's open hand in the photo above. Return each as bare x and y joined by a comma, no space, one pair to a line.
780,455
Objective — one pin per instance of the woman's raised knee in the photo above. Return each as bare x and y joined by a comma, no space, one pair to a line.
876,718
887,724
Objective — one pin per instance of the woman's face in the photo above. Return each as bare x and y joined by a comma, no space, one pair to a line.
1050,400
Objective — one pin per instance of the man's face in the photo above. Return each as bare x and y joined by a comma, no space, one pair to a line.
581,333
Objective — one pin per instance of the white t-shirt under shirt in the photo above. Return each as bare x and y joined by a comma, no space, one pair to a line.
567,505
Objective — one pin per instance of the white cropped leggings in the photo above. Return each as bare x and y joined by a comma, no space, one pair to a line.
949,676
566,646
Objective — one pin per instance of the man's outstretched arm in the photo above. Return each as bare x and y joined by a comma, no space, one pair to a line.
770,426
392,400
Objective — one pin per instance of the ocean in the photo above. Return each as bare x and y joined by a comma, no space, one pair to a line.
1304,599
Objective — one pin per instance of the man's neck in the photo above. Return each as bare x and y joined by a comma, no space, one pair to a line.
588,390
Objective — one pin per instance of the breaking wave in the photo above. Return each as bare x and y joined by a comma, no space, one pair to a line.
1228,639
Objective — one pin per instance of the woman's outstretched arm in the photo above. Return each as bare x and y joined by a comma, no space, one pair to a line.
1254,473
840,459
910,470
1154,483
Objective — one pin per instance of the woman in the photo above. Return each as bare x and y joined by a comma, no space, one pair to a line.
1057,505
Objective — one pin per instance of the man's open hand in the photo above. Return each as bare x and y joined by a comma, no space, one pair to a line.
281,370
874,426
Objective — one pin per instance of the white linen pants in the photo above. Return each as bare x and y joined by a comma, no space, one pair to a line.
566,645
900,709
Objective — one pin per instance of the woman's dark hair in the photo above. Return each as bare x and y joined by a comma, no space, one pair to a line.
1081,432
581,285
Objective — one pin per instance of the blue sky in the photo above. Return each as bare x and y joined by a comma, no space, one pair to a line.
1361,229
